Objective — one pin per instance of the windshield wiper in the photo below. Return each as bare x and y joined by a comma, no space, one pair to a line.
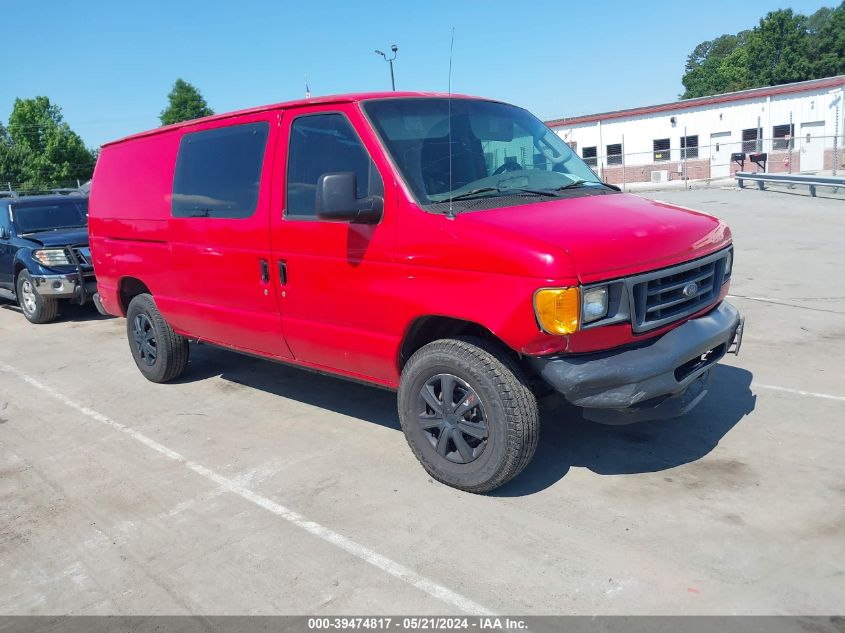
581,183
480,192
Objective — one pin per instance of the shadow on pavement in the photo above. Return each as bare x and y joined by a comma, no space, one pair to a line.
68,312
566,440
327,392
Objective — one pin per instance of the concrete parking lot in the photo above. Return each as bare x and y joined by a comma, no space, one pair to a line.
250,487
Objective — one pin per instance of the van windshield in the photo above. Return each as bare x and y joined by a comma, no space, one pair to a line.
492,149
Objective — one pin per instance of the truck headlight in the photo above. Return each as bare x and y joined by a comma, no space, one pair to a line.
558,310
595,303
729,263
51,257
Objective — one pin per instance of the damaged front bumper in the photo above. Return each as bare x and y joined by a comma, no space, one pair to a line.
663,378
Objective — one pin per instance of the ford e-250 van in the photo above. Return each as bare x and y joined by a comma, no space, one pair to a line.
451,248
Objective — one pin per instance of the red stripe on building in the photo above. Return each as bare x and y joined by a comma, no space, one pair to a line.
754,93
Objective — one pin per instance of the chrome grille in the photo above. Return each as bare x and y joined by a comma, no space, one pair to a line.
661,297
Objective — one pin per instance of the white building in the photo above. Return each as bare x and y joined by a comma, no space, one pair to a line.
793,124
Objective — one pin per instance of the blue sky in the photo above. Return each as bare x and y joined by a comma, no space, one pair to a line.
109,65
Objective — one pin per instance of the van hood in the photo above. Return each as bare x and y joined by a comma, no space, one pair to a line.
610,235
59,237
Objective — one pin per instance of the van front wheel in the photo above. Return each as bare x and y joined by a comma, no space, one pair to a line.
159,352
468,413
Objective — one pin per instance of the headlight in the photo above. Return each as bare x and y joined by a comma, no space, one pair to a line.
558,309
52,257
729,263
595,303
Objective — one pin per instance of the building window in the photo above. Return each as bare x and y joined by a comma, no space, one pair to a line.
661,149
780,134
689,147
752,140
322,144
589,155
218,172
614,154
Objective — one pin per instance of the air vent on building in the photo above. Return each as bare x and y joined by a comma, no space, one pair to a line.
660,175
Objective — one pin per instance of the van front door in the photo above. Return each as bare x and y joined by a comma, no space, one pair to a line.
225,289
335,277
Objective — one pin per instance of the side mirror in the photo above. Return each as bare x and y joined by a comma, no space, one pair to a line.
336,201
4,233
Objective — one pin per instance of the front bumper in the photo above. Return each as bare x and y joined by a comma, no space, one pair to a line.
662,379
66,286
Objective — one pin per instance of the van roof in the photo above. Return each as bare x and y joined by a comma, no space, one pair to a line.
343,98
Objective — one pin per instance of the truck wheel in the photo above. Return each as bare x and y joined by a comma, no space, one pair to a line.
468,413
159,352
35,308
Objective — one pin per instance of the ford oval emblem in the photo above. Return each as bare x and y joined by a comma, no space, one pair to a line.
690,289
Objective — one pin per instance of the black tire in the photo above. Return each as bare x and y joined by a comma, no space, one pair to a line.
492,389
159,352
36,308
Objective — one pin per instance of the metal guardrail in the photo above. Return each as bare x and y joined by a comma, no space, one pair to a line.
809,180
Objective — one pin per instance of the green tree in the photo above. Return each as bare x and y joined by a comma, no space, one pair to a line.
9,171
777,49
830,49
717,66
42,150
784,47
184,103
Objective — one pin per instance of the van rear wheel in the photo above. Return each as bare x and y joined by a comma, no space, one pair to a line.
159,352
468,414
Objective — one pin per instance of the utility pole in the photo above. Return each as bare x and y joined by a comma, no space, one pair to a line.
389,60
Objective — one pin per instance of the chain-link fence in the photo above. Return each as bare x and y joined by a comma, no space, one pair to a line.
46,186
717,160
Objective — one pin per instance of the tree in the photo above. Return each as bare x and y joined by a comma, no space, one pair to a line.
9,171
777,50
717,66
184,103
784,47
41,149
830,51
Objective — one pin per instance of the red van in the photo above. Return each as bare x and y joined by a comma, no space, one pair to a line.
451,248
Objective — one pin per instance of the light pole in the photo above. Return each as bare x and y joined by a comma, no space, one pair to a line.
389,60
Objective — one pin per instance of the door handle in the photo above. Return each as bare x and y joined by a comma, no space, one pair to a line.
283,272
265,272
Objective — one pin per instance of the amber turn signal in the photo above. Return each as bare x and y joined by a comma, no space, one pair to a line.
558,309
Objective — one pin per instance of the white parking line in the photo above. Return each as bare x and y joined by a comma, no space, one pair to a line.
362,552
800,392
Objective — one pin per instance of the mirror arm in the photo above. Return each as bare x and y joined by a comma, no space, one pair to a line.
370,210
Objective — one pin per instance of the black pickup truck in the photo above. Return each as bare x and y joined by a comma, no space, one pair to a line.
44,254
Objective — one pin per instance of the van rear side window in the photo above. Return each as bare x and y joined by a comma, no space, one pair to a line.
218,172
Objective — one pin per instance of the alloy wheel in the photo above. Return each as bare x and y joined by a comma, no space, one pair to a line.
28,297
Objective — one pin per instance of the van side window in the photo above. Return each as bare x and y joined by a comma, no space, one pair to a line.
322,144
218,172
